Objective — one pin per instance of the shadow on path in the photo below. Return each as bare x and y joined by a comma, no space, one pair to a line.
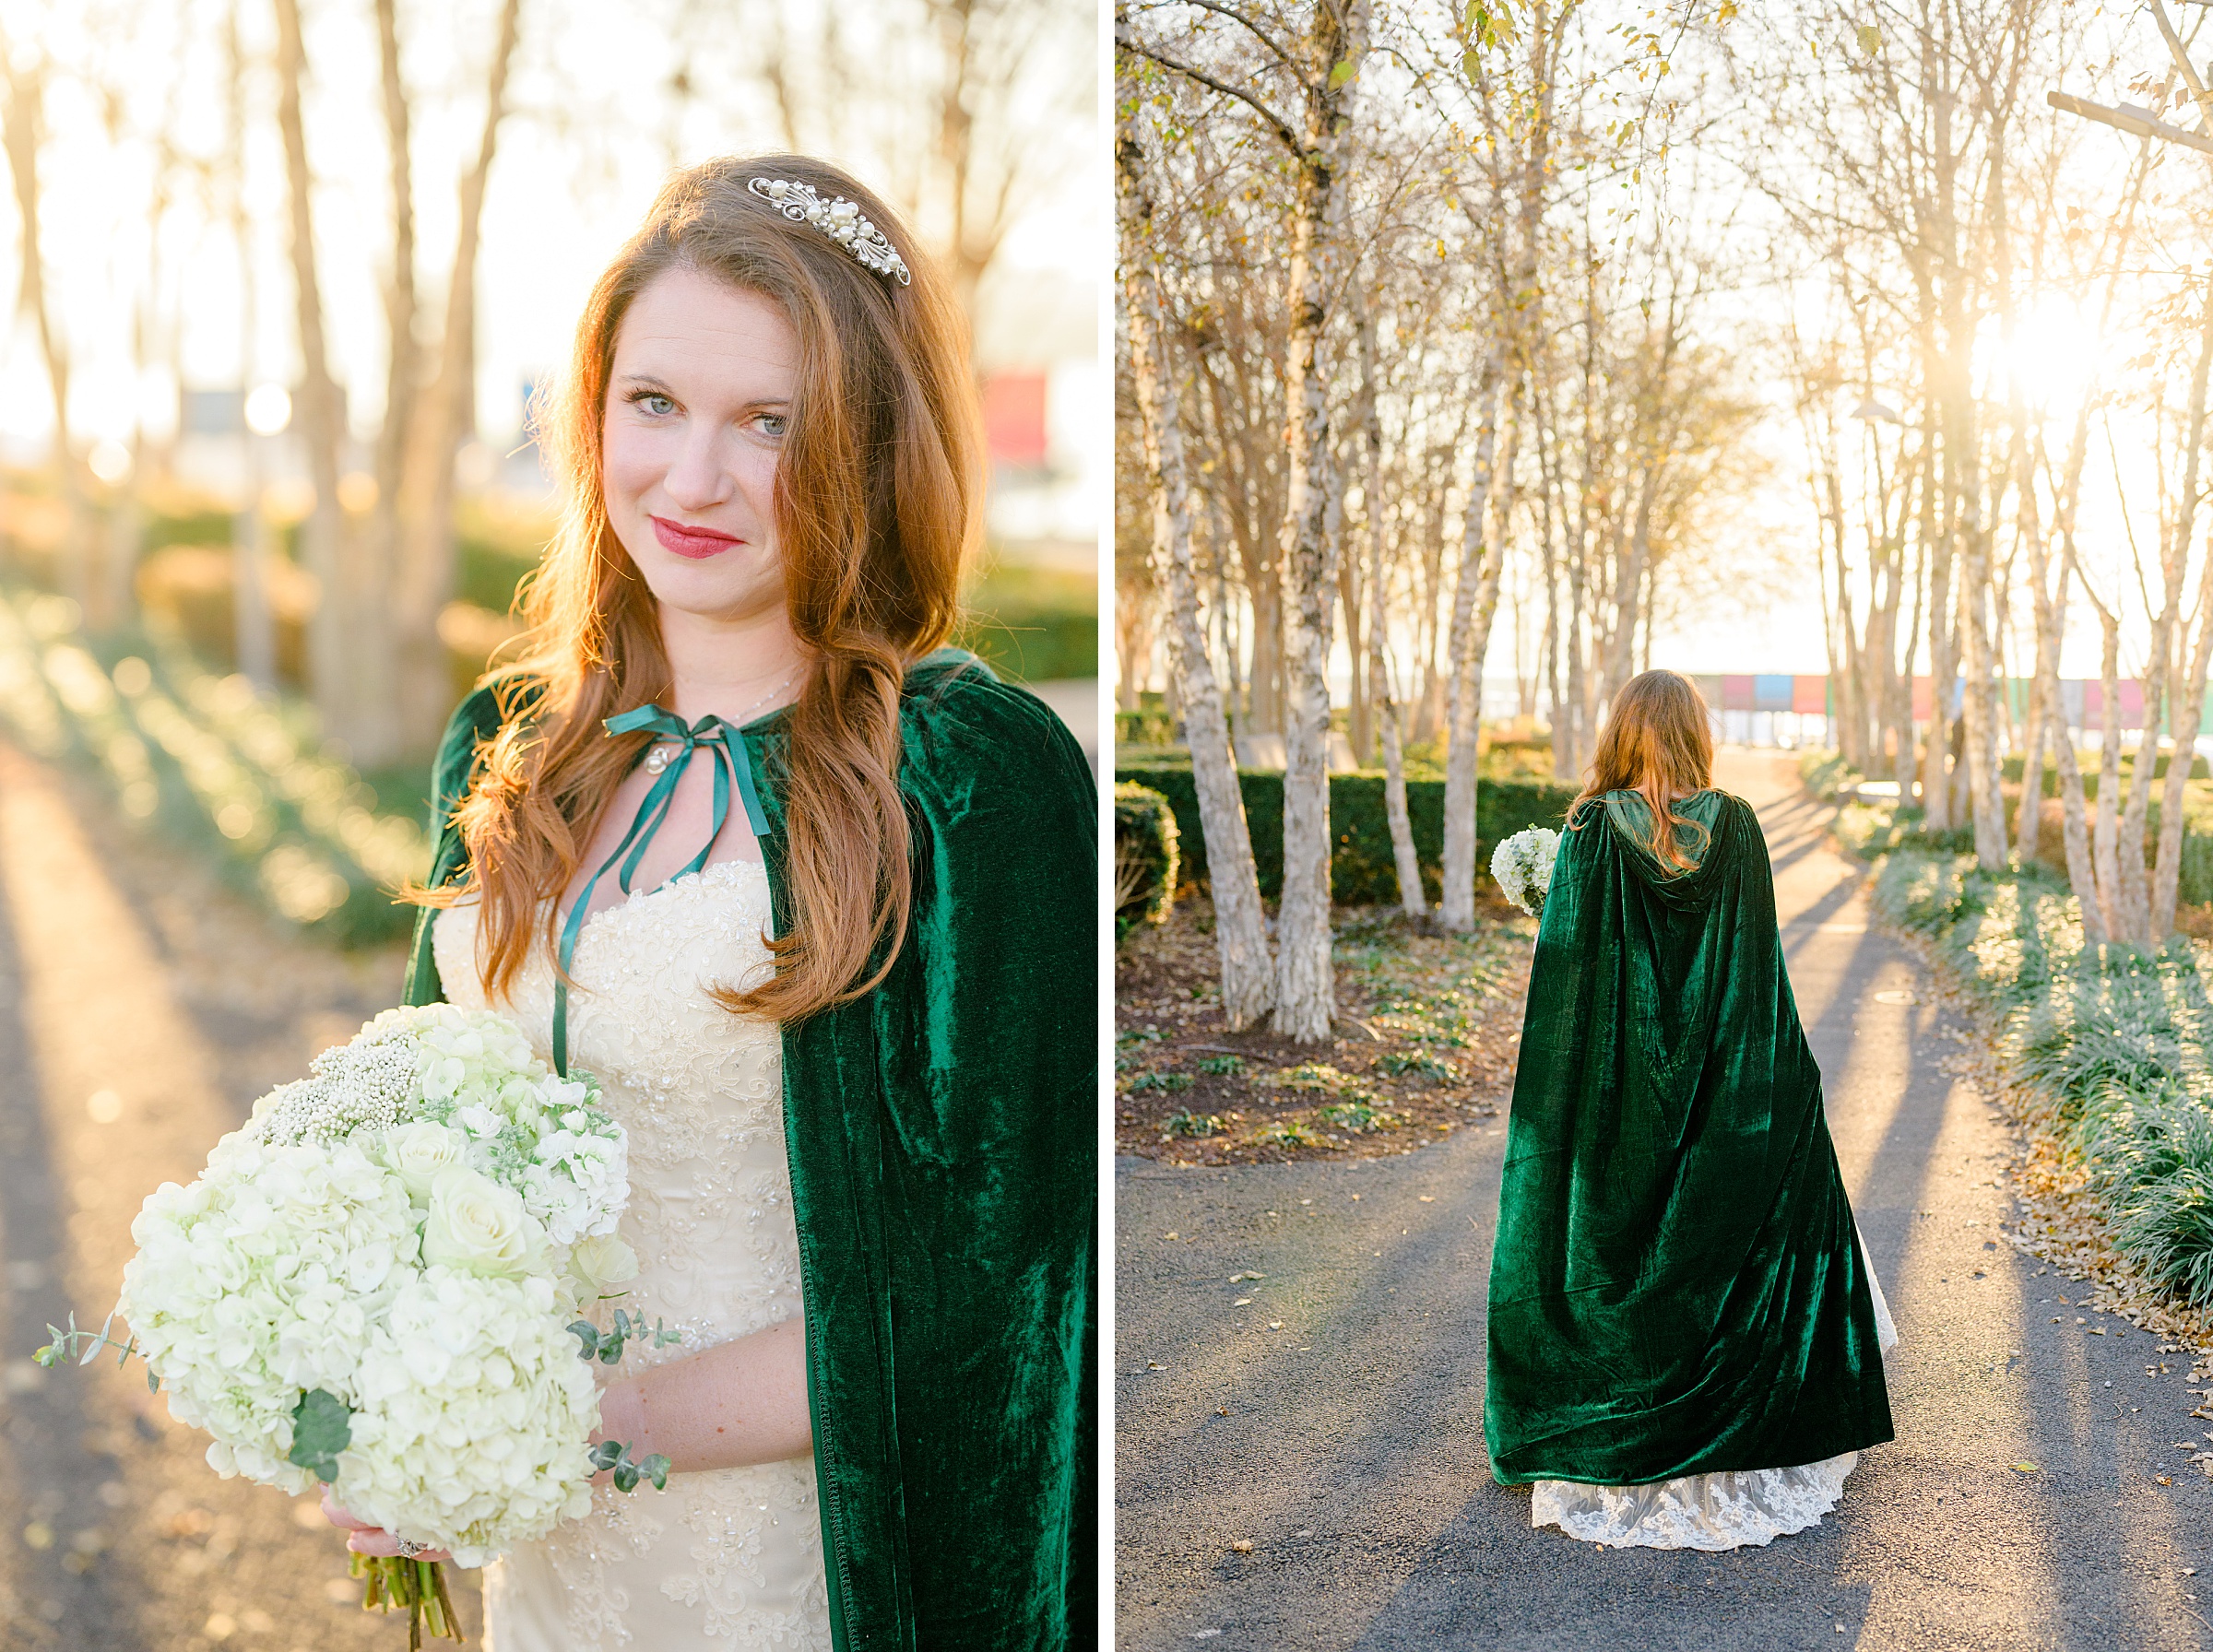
58,1592
1346,1449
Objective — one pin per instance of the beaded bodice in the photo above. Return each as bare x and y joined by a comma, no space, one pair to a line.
699,1092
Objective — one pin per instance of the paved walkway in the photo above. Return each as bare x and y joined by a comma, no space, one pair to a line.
1334,1423
143,1007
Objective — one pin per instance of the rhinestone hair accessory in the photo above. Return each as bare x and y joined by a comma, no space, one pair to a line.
836,217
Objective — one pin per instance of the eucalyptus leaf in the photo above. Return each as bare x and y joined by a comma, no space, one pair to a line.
321,1427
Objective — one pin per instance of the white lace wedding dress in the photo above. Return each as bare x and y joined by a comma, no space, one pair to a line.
1736,1510
729,1558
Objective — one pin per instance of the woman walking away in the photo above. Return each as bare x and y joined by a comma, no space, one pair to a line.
1685,1336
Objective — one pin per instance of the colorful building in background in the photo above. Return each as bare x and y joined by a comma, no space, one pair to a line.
2082,699
1743,702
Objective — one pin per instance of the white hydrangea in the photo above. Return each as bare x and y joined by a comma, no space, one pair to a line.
412,1230
261,1281
473,1414
1523,866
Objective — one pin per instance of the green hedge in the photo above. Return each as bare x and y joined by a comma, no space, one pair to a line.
1362,869
1145,856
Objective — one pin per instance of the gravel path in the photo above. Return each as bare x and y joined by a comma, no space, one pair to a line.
1307,1469
143,1007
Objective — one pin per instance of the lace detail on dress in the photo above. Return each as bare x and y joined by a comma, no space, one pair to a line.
728,1584
731,1556
1699,1511
1741,1509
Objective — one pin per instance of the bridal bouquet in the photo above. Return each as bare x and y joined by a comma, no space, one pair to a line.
1522,865
376,1284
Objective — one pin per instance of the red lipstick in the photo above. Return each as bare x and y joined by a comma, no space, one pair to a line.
694,542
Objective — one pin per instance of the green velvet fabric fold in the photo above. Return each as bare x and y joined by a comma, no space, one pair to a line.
942,1142
1678,1286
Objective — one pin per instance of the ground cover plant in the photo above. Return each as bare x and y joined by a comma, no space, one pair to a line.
2103,1052
1428,1025
243,777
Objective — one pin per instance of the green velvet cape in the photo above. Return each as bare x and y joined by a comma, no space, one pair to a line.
1678,1286
942,1136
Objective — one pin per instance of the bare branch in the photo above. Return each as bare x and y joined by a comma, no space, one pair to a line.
1126,41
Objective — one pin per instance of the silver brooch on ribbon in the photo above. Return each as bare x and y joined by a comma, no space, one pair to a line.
838,219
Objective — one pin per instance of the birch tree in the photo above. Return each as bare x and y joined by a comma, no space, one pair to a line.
1319,65
1240,925
21,130
331,660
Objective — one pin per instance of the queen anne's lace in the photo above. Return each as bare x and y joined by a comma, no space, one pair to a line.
730,1558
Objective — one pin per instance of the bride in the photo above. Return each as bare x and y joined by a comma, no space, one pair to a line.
813,897
1685,1336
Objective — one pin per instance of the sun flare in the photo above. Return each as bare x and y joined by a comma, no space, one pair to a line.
2056,354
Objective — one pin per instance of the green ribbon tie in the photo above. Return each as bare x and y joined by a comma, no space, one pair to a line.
733,771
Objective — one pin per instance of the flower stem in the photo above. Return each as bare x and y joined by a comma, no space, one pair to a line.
415,1587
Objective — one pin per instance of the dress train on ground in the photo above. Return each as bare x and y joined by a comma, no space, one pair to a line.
1713,1511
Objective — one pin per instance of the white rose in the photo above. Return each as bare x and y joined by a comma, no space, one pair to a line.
475,1226
602,1261
422,1151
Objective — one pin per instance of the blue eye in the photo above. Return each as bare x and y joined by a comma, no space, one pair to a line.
653,402
773,424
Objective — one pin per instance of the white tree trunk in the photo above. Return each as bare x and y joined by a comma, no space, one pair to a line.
20,124
252,629
1412,900
2105,852
1305,994
322,415
2185,700
1240,922
447,417
1463,697
2051,624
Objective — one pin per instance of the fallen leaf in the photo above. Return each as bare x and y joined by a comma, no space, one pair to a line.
2163,1479
1428,1198
1275,1324
2025,1468
1242,1546
1242,1301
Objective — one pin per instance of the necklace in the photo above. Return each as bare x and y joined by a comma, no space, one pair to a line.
663,752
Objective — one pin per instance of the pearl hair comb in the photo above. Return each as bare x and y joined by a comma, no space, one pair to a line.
836,217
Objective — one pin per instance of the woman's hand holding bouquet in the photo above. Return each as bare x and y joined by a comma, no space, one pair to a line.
376,1286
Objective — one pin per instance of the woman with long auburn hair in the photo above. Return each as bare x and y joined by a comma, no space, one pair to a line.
813,897
1686,1334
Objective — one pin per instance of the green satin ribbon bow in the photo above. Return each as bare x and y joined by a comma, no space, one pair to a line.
733,770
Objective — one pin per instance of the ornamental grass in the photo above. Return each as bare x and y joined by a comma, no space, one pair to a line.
2109,1050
